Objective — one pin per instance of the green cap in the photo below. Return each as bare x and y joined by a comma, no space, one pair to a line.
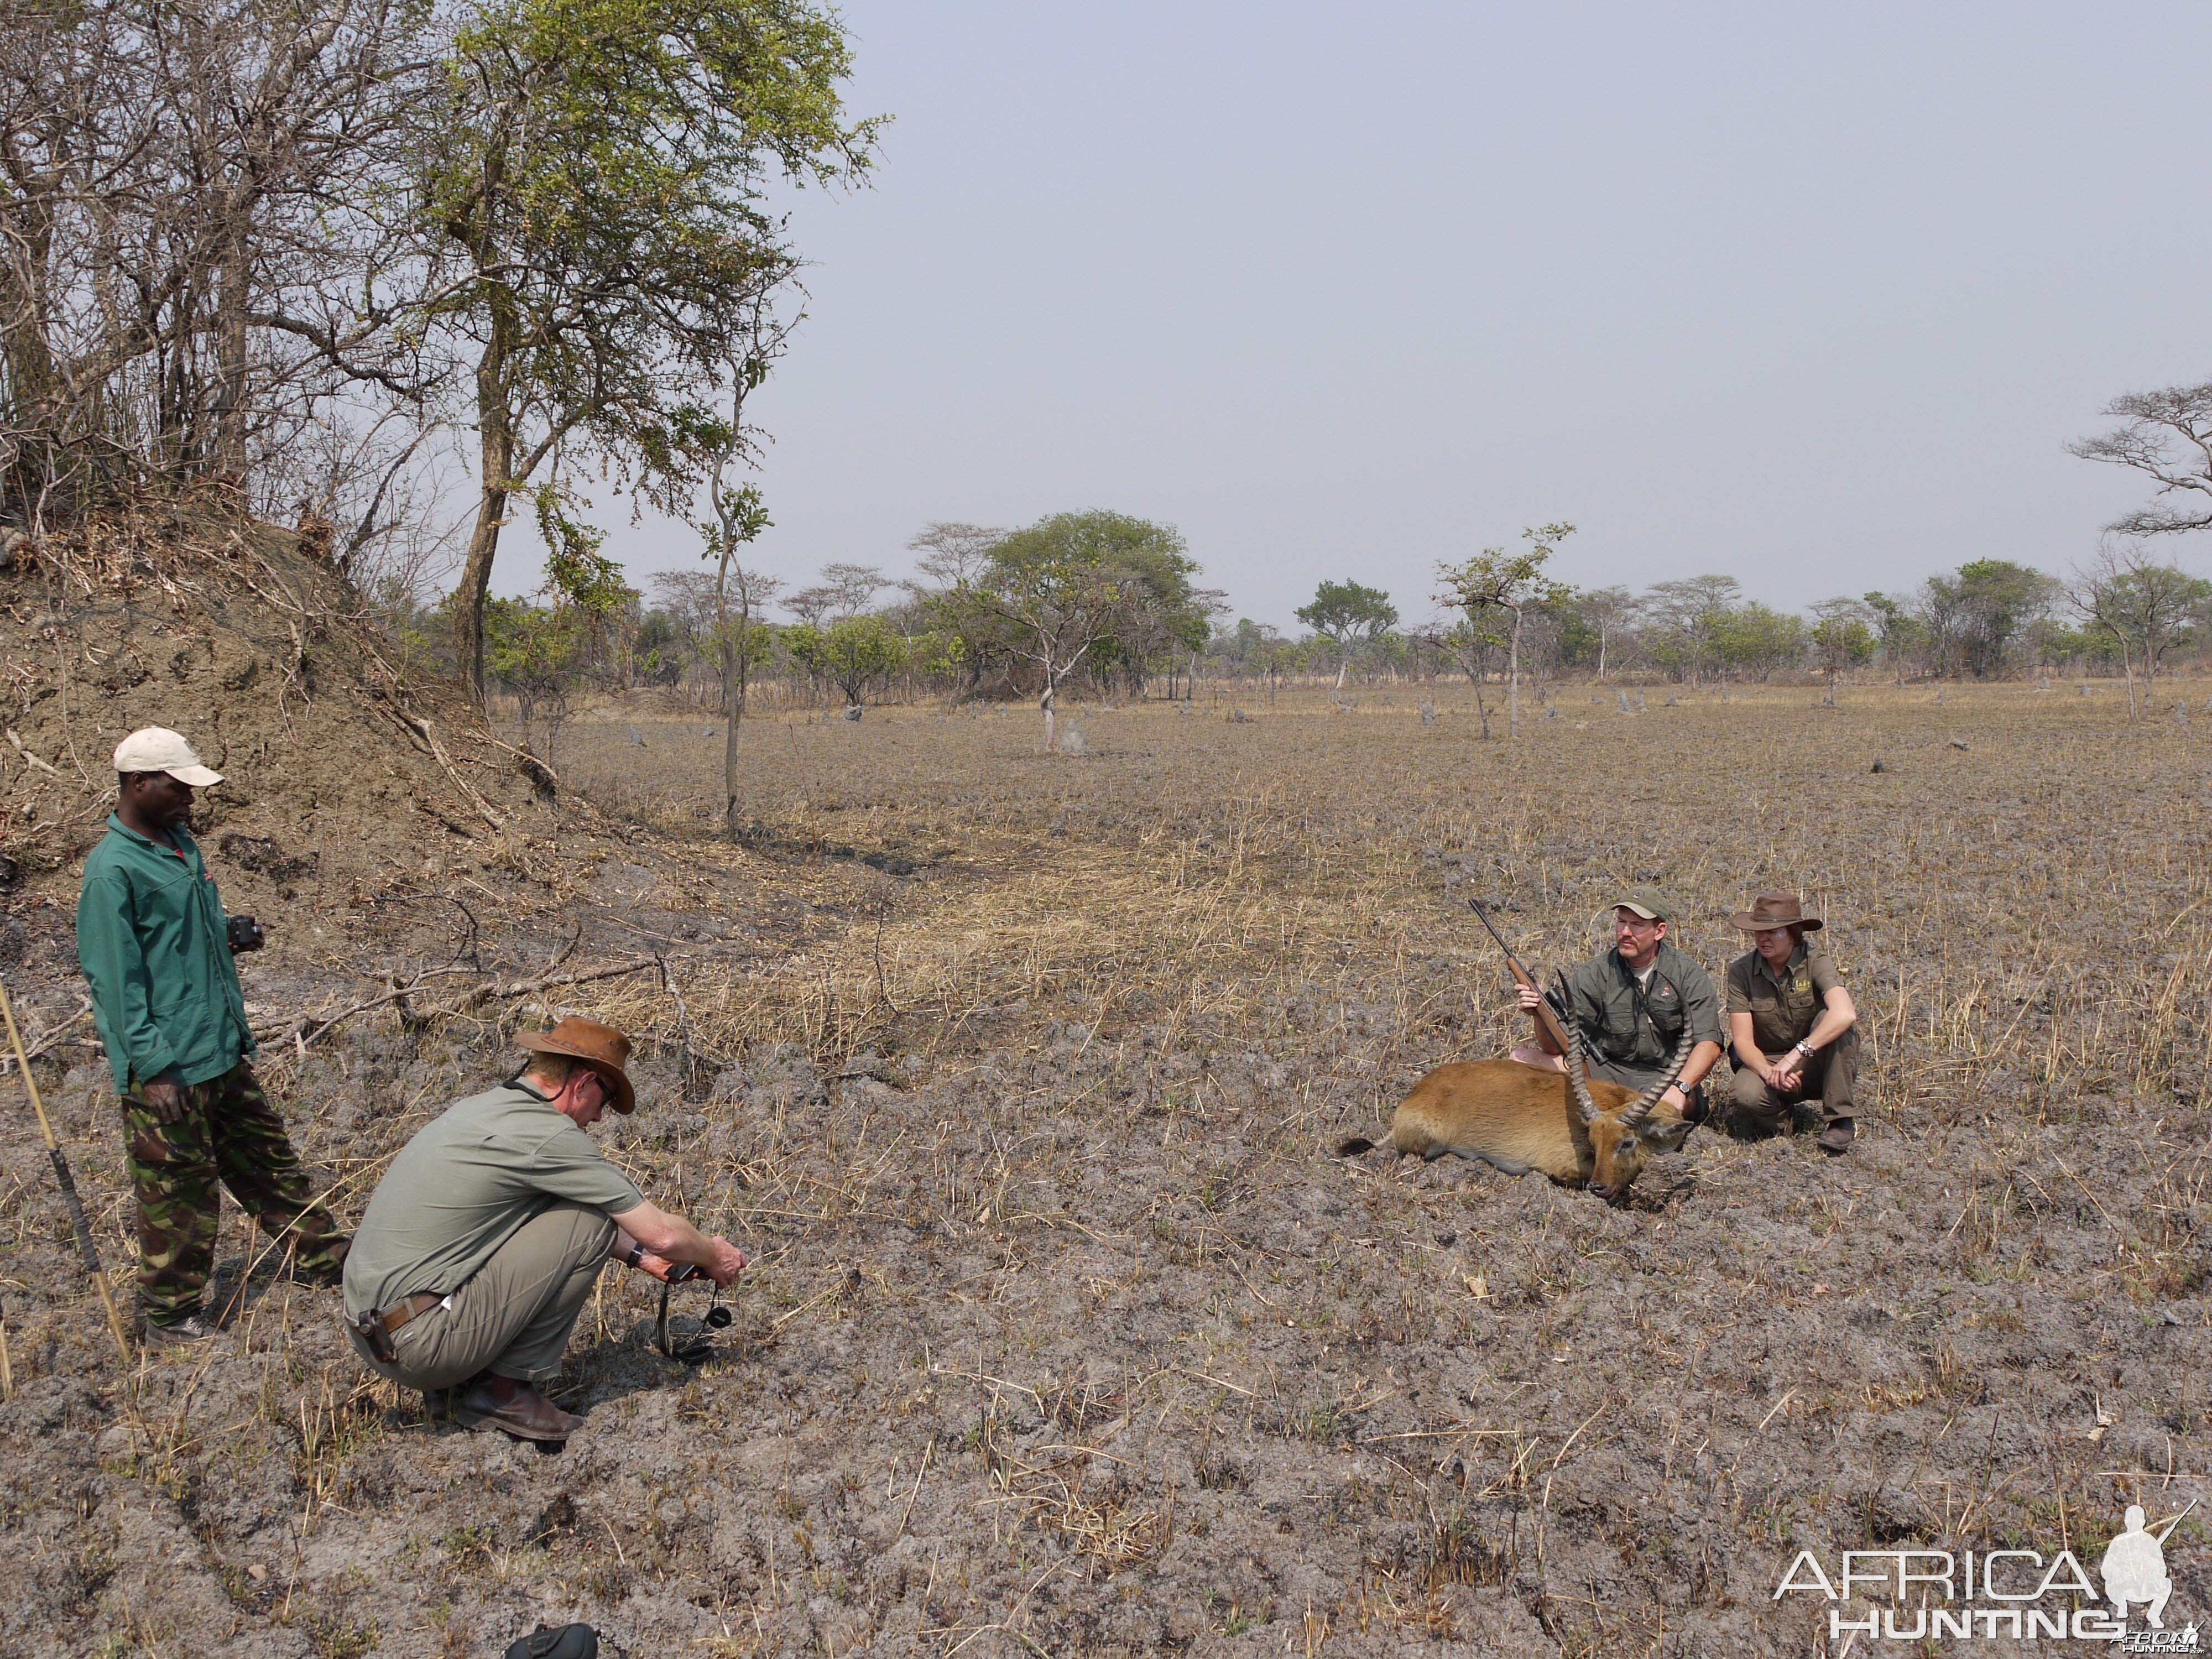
1647,902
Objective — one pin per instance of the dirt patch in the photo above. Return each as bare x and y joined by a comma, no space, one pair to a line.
1066,1333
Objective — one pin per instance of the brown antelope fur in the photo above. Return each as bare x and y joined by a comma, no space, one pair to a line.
1516,1118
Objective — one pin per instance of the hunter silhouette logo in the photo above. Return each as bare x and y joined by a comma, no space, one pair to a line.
2134,1568
2015,1593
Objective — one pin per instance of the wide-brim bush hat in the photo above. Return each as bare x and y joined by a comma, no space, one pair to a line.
1775,910
602,1048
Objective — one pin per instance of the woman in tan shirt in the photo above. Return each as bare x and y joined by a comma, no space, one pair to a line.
1791,1023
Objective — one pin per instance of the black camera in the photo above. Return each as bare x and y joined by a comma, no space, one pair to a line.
246,934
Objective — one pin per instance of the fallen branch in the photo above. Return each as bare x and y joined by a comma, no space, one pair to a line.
421,728
307,1027
51,1037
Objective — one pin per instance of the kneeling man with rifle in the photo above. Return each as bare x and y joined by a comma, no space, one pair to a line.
486,1233
1632,1003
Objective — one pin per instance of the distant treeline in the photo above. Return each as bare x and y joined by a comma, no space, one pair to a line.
1106,605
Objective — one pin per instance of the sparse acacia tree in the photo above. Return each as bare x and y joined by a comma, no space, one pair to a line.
1494,581
1347,613
1060,585
2143,604
2166,435
1610,613
853,652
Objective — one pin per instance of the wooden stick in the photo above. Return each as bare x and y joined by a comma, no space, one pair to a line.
75,1206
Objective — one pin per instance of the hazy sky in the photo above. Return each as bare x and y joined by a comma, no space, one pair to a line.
1811,296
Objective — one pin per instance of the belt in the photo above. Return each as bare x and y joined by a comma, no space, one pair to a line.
402,1313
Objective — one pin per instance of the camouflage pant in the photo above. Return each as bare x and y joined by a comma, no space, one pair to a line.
227,1134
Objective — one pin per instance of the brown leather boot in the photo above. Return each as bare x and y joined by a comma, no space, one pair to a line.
524,1413
1835,1140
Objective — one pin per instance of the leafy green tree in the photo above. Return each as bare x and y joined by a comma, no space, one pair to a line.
1067,582
593,216
1841,636
1494,584
1685,617
1756,640
537,652
1897,628
853,653
1347,613
1973,615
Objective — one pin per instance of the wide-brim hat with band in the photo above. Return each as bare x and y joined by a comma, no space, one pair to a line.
1647,902
602,1048
1775,910
157,749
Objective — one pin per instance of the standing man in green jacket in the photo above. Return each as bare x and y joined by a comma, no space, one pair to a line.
156,949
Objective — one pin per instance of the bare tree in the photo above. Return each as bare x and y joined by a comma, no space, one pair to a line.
2144,603
952,553
852,588
2166,435
191,272
1612,612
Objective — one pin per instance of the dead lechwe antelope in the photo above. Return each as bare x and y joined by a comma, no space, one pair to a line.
1518,1118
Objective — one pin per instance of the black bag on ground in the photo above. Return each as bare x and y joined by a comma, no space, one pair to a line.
569,1642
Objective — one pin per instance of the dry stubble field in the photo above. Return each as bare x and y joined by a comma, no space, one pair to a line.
1068,1334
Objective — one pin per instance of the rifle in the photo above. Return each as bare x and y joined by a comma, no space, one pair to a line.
1548,1018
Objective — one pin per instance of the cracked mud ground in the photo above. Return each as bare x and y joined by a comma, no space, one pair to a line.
1068,1336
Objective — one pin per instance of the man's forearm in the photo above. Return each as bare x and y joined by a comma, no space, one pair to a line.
667,1235
1699,1062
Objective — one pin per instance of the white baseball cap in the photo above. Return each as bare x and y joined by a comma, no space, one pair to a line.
157,749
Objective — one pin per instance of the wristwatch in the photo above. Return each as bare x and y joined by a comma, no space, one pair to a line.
1806,1049
634,1255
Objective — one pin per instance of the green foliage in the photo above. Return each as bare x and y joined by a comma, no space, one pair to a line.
1843,643
1074,585
1973,616
574,567
593,212
1348,613
1900,632
854,653
1754,639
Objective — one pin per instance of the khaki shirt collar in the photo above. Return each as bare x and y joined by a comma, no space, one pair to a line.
1789,968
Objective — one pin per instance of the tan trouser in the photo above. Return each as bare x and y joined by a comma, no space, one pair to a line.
1830,1075
514,1316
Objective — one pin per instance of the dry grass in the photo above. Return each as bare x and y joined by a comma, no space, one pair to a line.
1065,1335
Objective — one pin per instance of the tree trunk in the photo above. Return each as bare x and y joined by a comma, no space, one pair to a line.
495,483
733,689
231,303
1343,666
1513,677
1045,703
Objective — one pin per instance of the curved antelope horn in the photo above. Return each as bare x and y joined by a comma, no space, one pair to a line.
1578,1079
1640,1108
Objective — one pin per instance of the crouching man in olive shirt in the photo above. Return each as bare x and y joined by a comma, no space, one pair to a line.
487,1232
